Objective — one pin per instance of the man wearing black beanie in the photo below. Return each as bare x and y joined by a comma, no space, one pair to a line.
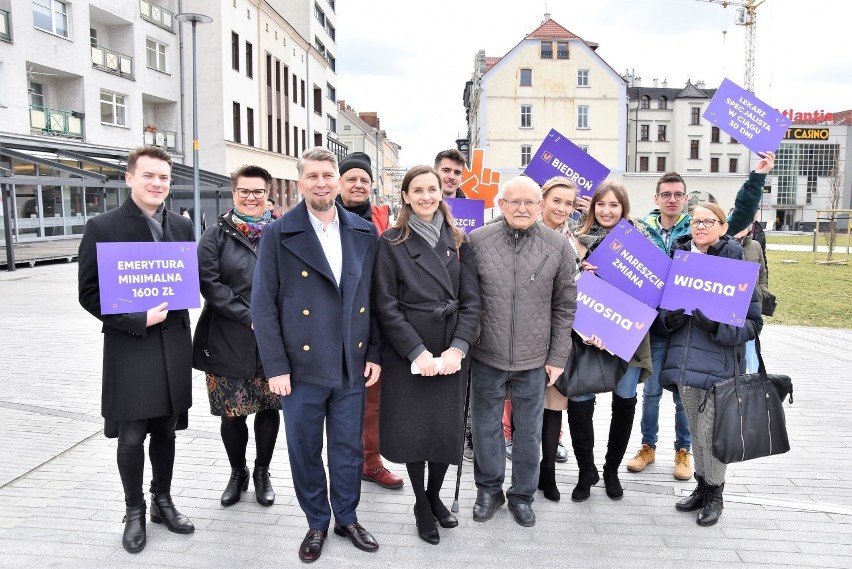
355,181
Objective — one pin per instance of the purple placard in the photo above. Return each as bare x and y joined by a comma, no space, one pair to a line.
134,277
628,260
757,125
719,286
468,214
617,318
558,156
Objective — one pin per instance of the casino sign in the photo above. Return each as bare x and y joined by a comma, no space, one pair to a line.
806,134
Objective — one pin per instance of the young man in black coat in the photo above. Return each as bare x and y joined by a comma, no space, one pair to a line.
147,369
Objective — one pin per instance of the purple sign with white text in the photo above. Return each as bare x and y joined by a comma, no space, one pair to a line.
617,318
134,277
757,125
468,214
719,286
628,260
558,156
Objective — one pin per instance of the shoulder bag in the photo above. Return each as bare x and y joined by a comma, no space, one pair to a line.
749,420
589,370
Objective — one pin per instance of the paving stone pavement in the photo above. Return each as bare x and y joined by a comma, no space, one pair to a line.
61,499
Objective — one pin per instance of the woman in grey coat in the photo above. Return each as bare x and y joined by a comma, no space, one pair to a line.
699,354
426,298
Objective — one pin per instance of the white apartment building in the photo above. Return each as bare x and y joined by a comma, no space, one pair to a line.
667,132
551,79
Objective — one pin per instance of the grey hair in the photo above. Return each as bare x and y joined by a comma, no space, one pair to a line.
525,180
319,154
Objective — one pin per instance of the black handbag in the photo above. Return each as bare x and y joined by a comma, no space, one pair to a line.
749,421
769,303
589,370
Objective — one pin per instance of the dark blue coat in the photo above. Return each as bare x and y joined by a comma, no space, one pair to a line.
697,358
304,323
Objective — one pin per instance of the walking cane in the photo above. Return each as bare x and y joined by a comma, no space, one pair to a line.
455,508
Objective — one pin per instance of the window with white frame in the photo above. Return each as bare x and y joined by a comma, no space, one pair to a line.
156,54
36,94
113,108
51,16
582,116
526,116
582,78
526,154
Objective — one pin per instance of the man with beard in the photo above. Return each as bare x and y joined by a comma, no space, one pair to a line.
319,344
449,164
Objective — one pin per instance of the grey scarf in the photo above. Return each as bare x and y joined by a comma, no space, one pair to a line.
155,223
431,232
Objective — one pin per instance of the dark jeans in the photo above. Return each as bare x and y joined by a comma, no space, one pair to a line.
489,446
131,456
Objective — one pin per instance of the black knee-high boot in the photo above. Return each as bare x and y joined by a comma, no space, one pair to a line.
581,427
620,426
550,426
131,465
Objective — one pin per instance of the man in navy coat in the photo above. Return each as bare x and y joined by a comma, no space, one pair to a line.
319,344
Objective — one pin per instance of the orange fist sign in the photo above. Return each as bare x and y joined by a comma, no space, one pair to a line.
480,183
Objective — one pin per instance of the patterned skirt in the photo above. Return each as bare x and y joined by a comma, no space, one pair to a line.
234,397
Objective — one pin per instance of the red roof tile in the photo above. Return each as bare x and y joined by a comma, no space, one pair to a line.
551,30
491,62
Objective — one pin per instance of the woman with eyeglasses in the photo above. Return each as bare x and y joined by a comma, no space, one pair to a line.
702,352
224,346
426,297
609,205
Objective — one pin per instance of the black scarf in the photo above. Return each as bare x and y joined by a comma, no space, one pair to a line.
365,210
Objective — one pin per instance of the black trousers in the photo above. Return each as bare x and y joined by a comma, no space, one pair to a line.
131,456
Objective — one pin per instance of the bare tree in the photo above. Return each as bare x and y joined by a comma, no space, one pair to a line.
835,193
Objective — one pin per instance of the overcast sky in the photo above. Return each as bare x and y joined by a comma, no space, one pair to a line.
409,61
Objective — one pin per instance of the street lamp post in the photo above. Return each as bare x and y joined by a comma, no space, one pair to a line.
196,190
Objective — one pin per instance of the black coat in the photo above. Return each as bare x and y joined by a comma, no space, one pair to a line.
423,296
147,371
224,342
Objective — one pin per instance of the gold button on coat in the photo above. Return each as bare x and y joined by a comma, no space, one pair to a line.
362,310
305,274
306,347
360,344
306,312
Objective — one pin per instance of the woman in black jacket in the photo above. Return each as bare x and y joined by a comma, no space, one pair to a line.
700,353
426,297
224,345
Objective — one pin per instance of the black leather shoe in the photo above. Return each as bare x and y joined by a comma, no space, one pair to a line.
360,537
236,486
486,504
441,514
311,547
425,522
523,514
163,511
134,538
695,500
263,491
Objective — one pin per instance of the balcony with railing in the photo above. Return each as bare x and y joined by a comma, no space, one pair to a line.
165,139
112,62
56,122
157,15
5,26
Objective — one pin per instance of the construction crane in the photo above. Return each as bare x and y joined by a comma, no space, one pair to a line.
746,16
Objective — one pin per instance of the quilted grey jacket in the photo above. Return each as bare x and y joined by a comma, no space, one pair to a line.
526,282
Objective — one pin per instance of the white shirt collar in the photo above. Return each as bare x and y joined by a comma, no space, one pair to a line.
319,225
